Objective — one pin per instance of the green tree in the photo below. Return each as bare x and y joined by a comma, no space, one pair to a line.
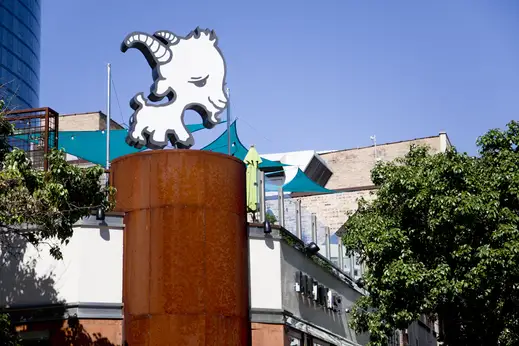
441,238
41,207
8,336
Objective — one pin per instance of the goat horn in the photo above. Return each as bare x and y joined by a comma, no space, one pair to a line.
212,35
167,37
151,47
197,32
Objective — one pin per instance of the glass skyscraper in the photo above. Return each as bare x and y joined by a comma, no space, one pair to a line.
20,30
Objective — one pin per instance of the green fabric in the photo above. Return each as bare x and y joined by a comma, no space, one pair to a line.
238,150
301,183
91,145
252,160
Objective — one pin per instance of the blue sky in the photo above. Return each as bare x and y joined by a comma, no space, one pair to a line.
306,74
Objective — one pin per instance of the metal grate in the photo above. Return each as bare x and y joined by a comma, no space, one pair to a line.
35,132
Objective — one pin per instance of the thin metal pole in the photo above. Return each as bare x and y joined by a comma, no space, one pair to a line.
328,247
340,254
46,143
314,228
108,120
228,121
352,265
375,146
281,206
299,232
374,140
262,196
258,190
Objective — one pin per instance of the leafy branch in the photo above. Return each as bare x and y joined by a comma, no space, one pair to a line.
441,239
41,207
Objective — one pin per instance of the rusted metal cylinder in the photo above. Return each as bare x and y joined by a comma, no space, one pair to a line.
185,279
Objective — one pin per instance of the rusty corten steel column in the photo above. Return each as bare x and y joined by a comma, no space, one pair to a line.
185,248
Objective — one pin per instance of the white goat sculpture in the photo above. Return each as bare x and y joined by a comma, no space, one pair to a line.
190,71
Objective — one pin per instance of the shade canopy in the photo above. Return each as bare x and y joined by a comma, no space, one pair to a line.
301,183
238,150
91,145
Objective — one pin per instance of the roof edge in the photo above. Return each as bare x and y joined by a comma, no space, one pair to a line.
382,144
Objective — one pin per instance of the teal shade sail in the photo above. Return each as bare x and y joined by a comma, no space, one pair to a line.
301,183
219,145
238,150
91,145
26,137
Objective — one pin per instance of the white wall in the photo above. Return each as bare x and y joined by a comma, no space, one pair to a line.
265,274
100,264
90,271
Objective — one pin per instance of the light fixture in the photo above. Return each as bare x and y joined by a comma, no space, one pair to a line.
100,215
312,248
267,228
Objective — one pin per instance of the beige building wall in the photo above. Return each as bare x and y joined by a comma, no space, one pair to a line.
332,210
351,167
352,177
92,121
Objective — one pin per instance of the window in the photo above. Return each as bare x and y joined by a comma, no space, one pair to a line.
295,338
4,57
293,341
8,19
8,39
10,61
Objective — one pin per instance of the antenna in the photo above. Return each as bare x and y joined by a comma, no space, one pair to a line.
108,118
228,92
374,141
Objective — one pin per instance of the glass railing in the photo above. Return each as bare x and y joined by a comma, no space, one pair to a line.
279,208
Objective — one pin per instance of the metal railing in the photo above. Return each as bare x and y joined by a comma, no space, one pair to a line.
281,209
35,132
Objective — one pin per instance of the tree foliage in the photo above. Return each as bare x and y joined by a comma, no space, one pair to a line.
39,206
441,238
8,335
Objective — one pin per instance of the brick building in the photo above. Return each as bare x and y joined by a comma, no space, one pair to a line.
352,178
348,173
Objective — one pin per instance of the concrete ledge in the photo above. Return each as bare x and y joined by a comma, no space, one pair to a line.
111,221
109,311
256,231
268,316
39,313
